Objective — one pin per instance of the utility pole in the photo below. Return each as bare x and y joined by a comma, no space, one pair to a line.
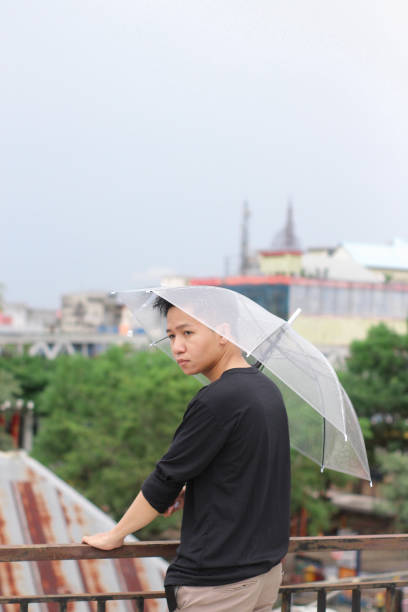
244,258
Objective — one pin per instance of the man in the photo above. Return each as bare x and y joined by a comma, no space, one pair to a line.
231,452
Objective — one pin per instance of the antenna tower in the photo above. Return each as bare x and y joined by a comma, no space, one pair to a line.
244,259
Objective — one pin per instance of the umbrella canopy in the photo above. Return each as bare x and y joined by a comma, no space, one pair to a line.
322,422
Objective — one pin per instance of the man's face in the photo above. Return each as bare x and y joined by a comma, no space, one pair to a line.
196,348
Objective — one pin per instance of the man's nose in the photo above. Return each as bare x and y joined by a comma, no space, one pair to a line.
178,345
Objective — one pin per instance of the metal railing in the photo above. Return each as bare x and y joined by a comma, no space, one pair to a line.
79,552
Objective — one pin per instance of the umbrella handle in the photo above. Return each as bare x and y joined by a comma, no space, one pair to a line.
259,365
294,316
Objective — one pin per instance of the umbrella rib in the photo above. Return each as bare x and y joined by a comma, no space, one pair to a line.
317,382
160,340
267,337
323,444
285,357
301,396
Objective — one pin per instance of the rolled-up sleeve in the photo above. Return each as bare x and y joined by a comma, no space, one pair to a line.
196,442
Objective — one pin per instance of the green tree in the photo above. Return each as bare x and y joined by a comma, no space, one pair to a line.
376,379
308,492
394,489
9,387
32,374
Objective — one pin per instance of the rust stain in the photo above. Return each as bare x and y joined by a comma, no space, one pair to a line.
32,515
8,571
64,509
92,578
45,517
128,570
8,582
32,476
79,516
8,586
69,522
135,578
151,605
3,535
87,587
51,575
130,578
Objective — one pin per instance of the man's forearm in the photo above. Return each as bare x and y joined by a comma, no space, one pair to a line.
139,514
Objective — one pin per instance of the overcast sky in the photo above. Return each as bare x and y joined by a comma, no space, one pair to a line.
132,131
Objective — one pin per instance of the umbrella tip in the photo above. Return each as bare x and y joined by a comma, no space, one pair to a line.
345,437
371,483
322,469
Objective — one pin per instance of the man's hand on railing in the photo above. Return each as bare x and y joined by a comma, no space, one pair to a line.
178,504
138,515
105,541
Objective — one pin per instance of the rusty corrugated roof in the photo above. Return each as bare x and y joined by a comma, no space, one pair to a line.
37,507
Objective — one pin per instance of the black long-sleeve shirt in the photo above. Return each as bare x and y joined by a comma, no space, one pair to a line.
232,452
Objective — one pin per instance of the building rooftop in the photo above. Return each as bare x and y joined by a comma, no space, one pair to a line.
37,507
392,256
281,279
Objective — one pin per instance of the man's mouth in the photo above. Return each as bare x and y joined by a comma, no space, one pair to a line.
182,361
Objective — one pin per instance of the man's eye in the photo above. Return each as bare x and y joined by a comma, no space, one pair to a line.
188,333
170,336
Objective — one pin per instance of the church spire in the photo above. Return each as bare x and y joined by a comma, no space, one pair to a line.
286,239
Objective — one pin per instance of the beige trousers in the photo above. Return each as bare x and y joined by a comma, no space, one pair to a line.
254,594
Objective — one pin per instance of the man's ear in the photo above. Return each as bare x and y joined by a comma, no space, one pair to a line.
224,330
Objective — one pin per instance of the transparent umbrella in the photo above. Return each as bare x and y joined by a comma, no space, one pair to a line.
322,422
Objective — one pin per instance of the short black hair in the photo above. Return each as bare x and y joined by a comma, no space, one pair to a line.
162,305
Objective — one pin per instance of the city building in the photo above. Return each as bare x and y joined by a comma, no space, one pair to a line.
334,313
357,261
389,260
336,264
19,317
285,254
90,311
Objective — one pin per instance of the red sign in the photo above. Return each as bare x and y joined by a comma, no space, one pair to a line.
5,319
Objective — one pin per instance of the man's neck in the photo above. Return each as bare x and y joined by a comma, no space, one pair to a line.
234,361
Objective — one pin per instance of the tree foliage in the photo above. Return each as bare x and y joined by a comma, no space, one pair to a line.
308,492
9,387
376,379
394,489
31,373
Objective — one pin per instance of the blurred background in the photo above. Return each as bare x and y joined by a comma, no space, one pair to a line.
261,146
